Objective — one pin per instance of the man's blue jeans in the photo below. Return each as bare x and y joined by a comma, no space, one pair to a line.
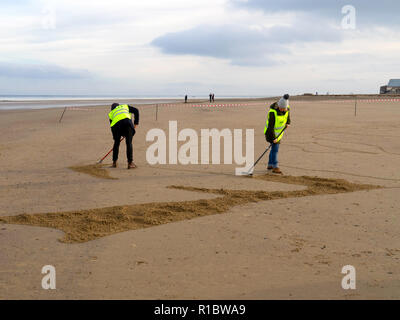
273,155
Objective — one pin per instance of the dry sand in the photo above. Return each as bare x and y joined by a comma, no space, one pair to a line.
292,246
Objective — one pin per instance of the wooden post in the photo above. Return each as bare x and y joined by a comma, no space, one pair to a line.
156,112
65,109
355,107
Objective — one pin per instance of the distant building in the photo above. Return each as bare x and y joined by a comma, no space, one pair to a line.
392,87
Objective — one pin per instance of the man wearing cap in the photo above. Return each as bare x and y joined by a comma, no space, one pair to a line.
278,119
121,125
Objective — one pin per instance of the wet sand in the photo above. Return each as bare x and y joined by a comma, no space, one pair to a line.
62,103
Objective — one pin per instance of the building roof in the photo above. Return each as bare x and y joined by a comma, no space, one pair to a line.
394,83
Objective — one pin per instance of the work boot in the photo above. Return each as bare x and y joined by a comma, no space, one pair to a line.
277,171
114,165
270,167
131,165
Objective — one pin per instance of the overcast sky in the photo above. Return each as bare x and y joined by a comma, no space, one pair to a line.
172,48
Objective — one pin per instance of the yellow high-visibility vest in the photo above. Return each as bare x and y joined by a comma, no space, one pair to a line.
280,123
119,113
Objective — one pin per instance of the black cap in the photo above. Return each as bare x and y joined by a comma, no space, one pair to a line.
114,105
286,97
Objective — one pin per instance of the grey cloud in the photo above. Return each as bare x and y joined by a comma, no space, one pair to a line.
73,21
383,12
13,3
12,70
242,45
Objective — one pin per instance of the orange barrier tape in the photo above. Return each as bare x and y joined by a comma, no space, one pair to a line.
352,101
81,109
247,104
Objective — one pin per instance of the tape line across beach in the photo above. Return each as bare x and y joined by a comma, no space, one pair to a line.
223,105
268,101
212,105
352,101
80,109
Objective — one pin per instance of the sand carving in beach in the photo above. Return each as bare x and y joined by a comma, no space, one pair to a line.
94,170
86,225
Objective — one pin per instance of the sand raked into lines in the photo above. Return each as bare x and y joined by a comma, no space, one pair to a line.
94,170
86,225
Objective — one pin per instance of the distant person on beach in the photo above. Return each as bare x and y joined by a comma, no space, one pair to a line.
121,125
213,97
210,97
186,99
277,120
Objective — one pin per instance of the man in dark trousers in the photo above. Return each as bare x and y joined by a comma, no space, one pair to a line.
121,125
277,120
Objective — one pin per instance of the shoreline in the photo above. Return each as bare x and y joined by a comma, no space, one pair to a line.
7,105
76,103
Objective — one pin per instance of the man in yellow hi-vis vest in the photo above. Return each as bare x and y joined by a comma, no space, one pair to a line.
277,120
121,125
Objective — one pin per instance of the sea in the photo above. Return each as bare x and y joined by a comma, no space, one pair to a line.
21,102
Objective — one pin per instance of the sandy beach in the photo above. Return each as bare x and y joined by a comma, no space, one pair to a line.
258,238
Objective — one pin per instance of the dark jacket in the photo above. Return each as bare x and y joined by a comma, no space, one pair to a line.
270,135
135,112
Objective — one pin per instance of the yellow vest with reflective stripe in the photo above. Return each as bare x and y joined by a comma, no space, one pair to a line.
119,113
280,123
